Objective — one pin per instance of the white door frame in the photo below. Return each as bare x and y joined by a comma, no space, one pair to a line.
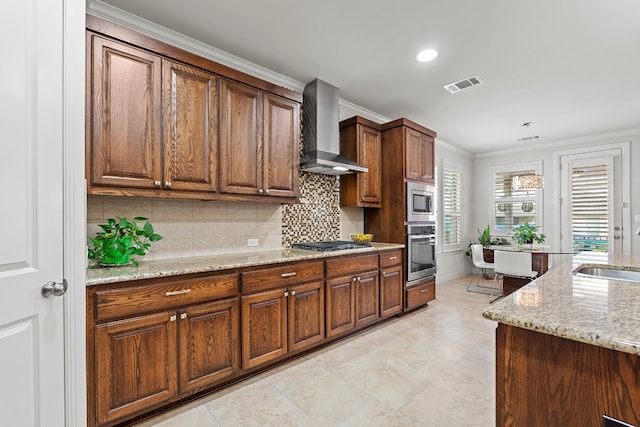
75,218
625,186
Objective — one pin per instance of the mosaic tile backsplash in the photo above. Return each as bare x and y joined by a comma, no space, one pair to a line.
317,216
192,227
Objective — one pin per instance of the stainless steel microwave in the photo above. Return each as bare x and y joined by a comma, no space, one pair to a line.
420,202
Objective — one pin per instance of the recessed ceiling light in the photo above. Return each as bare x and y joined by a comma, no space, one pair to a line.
427,55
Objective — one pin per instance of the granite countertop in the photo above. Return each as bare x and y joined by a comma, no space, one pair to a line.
594,310
188,265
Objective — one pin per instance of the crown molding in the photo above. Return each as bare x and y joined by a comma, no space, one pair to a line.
151,29
442,144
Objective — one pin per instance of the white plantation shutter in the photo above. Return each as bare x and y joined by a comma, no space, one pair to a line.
590,208
451,197
513,208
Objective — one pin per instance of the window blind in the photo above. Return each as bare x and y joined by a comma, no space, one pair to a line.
451,207
513,208
590,208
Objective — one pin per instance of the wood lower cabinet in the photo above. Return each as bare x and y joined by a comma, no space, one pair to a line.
360,141
420,294
352,293
287,317
157,342
209,347
136,364
152,341
391,283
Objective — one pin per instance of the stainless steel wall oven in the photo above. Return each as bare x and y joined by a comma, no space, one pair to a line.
421,251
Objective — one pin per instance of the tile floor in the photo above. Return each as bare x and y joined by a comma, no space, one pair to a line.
433,367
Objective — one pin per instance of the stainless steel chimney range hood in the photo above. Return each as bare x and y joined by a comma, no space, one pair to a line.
321,143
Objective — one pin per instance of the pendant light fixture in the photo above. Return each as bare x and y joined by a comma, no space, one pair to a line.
529,181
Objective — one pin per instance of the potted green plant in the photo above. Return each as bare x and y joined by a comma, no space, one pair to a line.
120,239
527,234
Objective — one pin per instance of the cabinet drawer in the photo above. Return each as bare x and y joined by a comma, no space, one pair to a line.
390,258
170,293
351,265
421,294
282,276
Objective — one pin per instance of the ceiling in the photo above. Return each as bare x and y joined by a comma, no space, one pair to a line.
572,67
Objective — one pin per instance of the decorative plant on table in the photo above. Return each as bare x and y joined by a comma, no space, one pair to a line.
120,239
527,234
485,239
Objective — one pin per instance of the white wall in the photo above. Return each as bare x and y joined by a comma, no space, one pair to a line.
481,186
455,264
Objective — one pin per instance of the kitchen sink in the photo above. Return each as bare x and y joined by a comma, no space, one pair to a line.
608,272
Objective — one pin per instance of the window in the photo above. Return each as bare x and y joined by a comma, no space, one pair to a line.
514,207
451,201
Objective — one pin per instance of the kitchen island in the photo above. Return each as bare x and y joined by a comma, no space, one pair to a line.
568,348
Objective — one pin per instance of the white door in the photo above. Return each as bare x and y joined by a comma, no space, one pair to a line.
592,208
31,326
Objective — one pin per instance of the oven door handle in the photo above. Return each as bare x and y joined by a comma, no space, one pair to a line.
421,236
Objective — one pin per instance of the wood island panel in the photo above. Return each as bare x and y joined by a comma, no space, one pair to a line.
544,380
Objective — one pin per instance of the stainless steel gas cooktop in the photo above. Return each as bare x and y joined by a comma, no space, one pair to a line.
332,245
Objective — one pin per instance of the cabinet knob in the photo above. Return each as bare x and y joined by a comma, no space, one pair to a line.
157,183
286,293
292,293
267,190
260,190
183,316
167,184
173,318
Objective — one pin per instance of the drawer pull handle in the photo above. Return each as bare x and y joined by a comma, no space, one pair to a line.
389,274
391,258
181,292
423,291
293,273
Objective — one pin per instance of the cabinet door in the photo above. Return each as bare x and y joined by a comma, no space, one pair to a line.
209,339
264,327
428,162
414,161
391,290
240,139
136,364
124,147
340,314
281,146
366,308
306,315
369,152
190,104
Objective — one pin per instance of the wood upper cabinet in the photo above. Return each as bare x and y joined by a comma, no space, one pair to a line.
417,144
360,141
135,365
259,142
240,139
281,146
124,147
162,122
190,105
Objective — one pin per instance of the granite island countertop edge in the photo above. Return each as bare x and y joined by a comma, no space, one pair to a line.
592,310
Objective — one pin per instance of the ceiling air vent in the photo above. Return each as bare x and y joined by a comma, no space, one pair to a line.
463,84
